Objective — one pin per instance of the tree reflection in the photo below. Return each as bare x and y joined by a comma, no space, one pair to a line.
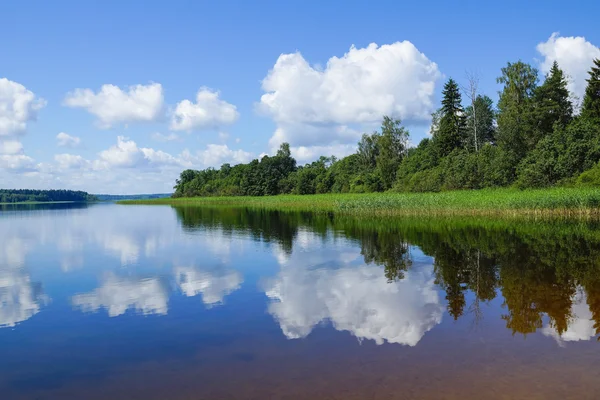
537,267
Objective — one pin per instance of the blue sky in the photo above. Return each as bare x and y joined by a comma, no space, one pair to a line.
230,52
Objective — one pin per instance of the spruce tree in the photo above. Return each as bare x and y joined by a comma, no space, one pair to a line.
452,125
591,100
552,104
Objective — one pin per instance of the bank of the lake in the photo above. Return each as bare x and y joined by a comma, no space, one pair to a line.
499,202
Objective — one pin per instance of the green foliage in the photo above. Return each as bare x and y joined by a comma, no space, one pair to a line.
567,152
590,177
451,132
591,100
392,147
552,103
480,118
43,196
531,141
515,109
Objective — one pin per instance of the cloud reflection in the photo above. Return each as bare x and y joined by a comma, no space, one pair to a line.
213,285
354,298
20,299
117,295
581,326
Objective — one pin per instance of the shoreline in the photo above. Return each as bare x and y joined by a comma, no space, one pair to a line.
550,202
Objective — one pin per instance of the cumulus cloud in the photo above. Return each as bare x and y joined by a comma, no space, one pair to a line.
113,105
117,295
213,285
581,327
126,154
10,147
160,137
68,161
216,154
18,106
317,106
208,112
354,298
65,140
17,163
574,55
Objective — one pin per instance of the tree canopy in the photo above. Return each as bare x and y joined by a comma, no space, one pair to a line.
534,138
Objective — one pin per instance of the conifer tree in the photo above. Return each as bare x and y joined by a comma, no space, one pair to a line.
591,100
452,125
552,104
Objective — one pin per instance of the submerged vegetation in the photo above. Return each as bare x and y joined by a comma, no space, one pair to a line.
535,138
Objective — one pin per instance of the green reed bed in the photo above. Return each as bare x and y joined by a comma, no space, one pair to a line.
553,201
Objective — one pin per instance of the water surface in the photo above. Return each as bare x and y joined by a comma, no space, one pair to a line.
156,302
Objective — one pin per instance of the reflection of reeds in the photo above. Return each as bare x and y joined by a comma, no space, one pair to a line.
580,202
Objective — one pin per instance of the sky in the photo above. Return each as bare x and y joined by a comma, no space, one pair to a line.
119,97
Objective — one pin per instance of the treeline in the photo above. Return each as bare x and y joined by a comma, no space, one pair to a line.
118,197
534,137
29,195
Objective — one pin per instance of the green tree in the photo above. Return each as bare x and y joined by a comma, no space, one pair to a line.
552,103
392,148
481,118
515,110
451,132
591,100
368,150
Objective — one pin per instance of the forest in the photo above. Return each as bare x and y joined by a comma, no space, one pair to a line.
537,135
43,196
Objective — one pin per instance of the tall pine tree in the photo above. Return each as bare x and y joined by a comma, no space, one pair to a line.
452,124
552,104
591,100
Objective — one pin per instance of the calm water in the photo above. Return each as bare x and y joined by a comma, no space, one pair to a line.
154,302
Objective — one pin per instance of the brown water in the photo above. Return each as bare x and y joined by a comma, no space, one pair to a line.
134,302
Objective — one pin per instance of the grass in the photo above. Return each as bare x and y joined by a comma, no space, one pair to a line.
538,202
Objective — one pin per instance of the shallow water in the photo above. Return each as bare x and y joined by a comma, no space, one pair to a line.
155,302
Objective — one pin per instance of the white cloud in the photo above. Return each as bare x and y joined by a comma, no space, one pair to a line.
112,105
309,153
213,285
124,168
581,326
68,161
160,137
10,147
17,163
18,106
354,298
208,112
65,140
313,106
145,296
575,57
124,154
216,154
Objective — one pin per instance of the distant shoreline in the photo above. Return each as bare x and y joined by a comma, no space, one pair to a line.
46,202
562,202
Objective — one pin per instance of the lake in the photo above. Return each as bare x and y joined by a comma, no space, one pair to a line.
156,302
